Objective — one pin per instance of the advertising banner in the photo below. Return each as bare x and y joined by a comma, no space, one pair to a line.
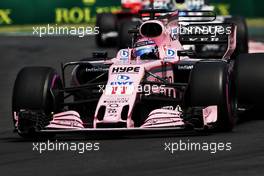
18,12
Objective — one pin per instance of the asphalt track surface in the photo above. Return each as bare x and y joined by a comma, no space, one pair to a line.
120,155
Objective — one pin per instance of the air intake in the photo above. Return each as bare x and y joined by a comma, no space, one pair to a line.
151,29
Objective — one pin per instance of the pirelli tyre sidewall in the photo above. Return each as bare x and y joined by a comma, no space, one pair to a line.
106,22
249,77
210,84
241,36
36,89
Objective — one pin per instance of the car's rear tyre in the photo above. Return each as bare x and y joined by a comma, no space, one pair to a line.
106,22
209,84
36,96
249,79
241,36
125,39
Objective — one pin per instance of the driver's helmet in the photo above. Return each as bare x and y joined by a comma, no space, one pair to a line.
194,4
163,4
146,49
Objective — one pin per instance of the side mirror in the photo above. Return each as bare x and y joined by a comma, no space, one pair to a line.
100,55
189,53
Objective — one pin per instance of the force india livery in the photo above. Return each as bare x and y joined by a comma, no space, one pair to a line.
154,85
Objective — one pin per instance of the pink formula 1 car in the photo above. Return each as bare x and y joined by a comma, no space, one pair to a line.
155,85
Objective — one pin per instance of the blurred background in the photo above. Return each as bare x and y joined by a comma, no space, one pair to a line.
18,16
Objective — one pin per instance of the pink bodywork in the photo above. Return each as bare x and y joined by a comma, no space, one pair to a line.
68,119
116,96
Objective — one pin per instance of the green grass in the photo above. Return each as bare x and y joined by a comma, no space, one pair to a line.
255,22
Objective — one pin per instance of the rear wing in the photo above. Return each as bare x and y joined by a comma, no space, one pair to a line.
202,34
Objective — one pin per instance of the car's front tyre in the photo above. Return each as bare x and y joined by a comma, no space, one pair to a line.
210,84
36,96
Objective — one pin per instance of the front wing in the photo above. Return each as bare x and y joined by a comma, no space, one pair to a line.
158,121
